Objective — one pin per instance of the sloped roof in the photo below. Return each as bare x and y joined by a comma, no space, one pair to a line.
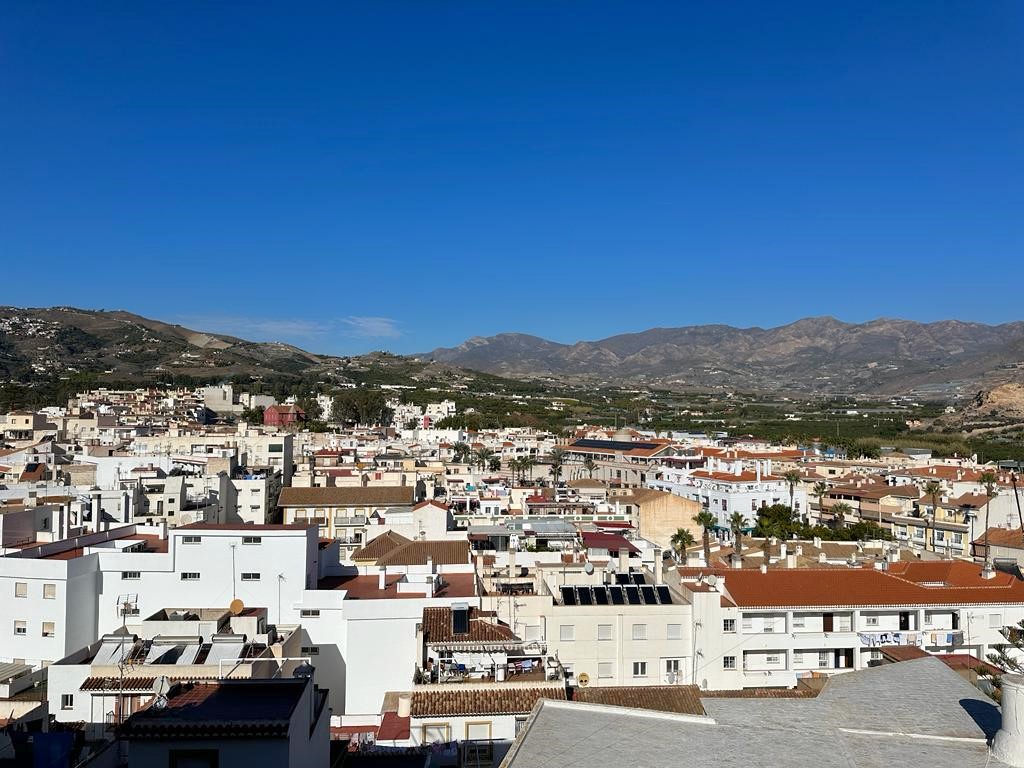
682,699
437,628
374,495
380,546
497,700
440,552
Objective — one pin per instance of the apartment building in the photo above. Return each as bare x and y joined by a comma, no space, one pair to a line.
251,448
343,513
727,487
64,595
771,627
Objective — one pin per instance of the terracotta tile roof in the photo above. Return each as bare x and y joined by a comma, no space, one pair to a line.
959,661
380,546
854,587
440,552
745,476
368,587
681,699
610,541
223,709
380,495
902,652
502,699
1002,537
437,628
393,727
975,500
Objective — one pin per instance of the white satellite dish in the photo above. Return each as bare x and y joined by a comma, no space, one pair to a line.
712,580
588,568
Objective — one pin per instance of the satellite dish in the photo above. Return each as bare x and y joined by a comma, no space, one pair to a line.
588,568
712,580
162,684
583,679
236,607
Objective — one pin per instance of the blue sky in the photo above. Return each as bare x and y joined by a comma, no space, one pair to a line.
405,175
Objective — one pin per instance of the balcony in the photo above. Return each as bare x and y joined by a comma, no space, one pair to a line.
533,671
355,520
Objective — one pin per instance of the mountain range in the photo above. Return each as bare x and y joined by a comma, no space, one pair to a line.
817,354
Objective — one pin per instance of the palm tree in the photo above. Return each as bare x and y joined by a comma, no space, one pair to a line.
821,491
840,511
988,479
482,456
461,451
682,539
737,522
792,477
706,520
933,490
528,465
590,465
557,460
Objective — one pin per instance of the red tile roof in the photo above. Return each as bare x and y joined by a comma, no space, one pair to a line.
610,541
855,587
509,699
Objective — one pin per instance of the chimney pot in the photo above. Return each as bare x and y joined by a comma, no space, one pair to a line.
1008,745
764,568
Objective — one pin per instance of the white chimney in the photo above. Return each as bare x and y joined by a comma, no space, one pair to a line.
736,560
382,578
430,564
799,549
1008,745
764,567
783,551
623,560
758,465
821,557
657,565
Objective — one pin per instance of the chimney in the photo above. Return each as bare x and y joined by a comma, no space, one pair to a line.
821,557
758,465
430,564
764,567
783,551
511,561
1008,745
163,529
480,564
791,560
382,578
623,560
988,572
799,549
736,560
817,542
657,565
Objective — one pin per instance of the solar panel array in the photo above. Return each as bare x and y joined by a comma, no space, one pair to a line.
617,594
613,445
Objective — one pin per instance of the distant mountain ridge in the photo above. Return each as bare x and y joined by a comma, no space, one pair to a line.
817,354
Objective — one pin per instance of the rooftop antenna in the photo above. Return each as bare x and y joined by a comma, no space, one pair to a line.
127,606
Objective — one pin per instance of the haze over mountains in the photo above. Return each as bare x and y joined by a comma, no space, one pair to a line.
814,355
818,354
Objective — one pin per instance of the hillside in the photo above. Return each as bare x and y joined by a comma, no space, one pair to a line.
821,354
63,340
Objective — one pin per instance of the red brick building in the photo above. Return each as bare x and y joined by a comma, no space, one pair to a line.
282,415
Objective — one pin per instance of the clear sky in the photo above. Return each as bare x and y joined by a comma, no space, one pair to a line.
404,175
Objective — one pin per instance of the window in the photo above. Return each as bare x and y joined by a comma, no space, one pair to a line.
189,576
434,732
20,627
940,535
21,589
929,618
49,591
823,659
309,613
728,625
131,575
871,621
771,659
252,539
798,658
604,631
605,670
674,632
995,621
250,576
67,701
191,539
748,623
48,629
275,448
566,633
799,621
639,669
310,650
520,722
958,538
639,631
728,662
